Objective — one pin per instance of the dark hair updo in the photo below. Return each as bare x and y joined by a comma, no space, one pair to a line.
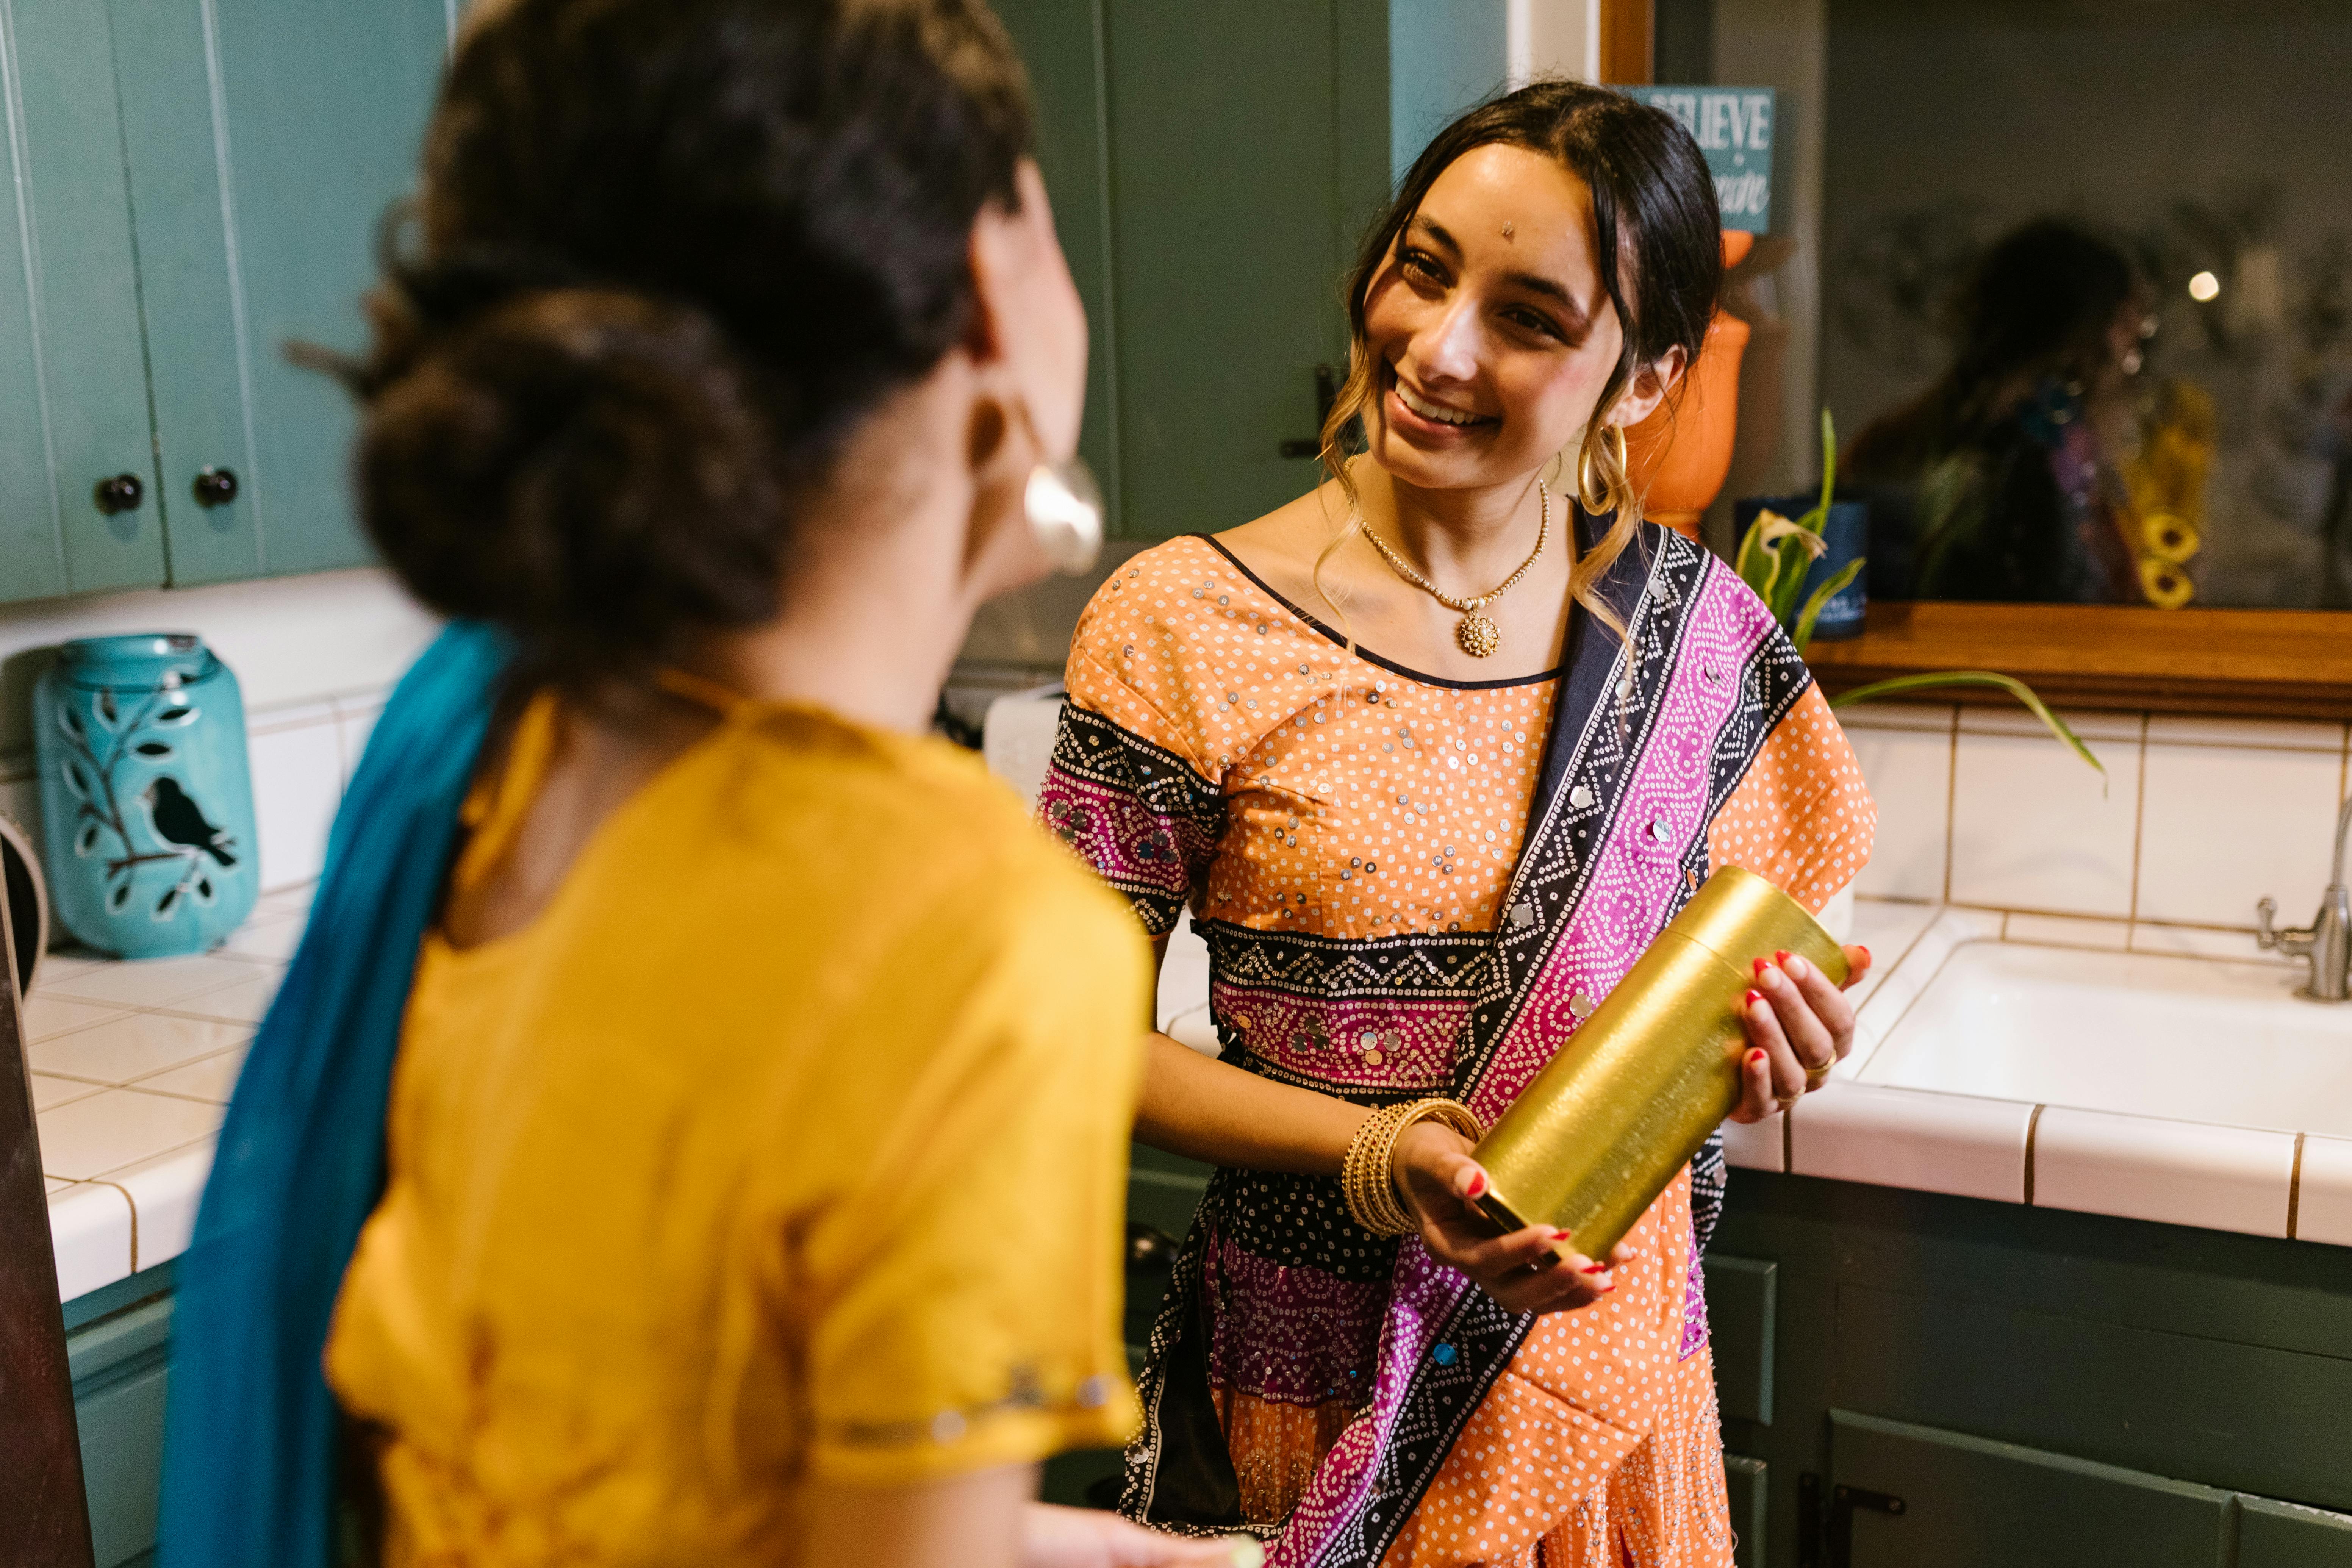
671,253
1658,241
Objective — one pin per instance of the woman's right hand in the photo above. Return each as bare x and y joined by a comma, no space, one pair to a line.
1524,1271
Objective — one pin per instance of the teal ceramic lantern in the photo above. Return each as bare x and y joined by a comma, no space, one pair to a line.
146,799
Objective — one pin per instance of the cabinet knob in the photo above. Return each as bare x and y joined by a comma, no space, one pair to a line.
215,487
124,492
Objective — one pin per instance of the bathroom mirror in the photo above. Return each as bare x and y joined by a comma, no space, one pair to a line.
2086,298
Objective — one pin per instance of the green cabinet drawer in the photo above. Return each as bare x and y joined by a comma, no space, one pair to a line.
2282,1535
1741,1293
1959,1502
1746,1482
120,1370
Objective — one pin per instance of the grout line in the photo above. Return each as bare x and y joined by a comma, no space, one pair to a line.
2294,1188
2032,1127
1951,795
2139,817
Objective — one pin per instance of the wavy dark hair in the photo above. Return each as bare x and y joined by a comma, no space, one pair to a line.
666,256
1659,242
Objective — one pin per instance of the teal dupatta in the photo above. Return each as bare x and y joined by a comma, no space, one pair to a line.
249,1458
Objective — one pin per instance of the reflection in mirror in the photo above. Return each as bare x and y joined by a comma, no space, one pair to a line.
2087,297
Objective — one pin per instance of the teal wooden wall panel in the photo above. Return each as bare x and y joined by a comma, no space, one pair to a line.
1970,1503
1448,54
1739,1309
32,553
85,288
1224,209
323,105
1748,1483
2282,1535
1062,43
168,59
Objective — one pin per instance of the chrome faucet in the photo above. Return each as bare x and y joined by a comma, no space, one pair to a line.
2327,942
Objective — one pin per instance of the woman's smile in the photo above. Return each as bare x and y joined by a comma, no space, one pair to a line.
1422,414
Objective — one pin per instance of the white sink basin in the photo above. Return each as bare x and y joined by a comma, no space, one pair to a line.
2193,1039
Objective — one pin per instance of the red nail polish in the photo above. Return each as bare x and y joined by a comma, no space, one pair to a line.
1596,1268
1781,958
1758,1054
1759,968
1752,999
1478,1182
1866,955
1560,1234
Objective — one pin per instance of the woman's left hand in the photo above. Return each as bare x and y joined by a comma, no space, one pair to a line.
1799,1027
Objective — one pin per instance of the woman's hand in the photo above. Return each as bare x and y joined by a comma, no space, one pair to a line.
1799,1027
1525,1271
1054,1537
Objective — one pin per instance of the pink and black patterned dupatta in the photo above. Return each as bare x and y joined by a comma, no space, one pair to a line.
1618,843
1650,736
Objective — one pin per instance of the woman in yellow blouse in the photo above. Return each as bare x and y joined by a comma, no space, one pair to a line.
751,1163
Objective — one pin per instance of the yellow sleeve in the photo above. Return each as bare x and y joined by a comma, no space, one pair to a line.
1801,818
970,1286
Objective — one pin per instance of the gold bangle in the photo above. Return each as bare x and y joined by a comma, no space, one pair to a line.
1367,1174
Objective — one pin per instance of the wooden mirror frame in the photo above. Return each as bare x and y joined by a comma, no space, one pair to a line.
2264,664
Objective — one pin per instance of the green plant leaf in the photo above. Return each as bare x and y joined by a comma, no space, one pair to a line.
1828,467
1754,563
1823,595
1945,678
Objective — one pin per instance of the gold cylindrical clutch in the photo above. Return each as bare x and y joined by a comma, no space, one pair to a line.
1592,1143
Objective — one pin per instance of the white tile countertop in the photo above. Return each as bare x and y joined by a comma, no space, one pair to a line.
133,1064
2130,1069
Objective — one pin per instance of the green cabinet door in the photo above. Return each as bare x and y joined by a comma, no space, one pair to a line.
1248,141
1062,43
73,385
267,140
1917,1497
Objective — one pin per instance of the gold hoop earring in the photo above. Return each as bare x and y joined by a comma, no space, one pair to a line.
1602,497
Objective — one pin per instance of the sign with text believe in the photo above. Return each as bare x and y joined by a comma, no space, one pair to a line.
1732,126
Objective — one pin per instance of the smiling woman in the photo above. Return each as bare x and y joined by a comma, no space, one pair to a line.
1418,869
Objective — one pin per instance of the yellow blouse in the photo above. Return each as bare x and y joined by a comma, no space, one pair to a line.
789,1141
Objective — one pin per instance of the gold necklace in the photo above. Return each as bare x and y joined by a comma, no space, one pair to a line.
1476,632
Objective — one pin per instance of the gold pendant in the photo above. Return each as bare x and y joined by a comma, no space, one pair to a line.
1478,636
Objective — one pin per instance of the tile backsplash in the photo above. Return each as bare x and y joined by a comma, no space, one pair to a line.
2195,820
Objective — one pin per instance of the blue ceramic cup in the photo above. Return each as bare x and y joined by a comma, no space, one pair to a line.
1846,534
147,820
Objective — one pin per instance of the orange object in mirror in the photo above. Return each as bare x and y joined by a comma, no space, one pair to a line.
1680,456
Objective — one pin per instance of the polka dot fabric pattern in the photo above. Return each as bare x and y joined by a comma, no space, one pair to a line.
1359,802
1411,886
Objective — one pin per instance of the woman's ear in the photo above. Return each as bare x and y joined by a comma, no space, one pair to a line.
1028,328
1652,383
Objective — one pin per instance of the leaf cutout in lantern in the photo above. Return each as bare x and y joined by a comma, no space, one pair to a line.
76,786
204,889
117,896
70,722
168,902
155,750
85,841
177,717
108,714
